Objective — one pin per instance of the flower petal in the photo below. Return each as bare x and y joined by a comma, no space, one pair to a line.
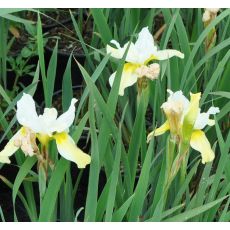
67,148
26,113
116,53
176,99
49,115
191,116
203,118
128,77
168,53
159,131
119,52
9,149
200,143
66,119
48,121
145,45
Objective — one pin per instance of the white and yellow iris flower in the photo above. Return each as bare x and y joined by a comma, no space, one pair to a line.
183,114
44,127
138,59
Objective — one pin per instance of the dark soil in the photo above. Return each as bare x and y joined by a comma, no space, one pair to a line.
67,40
52,16
19,43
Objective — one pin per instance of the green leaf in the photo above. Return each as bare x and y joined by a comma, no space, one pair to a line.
194,212
67,91
49,201
91,200
51,75
113,182
23,172
102,26
120,213
142,186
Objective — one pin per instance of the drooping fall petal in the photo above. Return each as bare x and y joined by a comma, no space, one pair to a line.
168,53
128,77
67,148
200,143
9,149
159,131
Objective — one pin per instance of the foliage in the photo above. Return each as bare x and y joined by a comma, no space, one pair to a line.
135,171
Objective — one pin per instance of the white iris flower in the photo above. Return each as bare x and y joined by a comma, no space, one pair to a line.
44,127
138,57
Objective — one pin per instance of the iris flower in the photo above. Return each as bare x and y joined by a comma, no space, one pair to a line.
138,59
45,128
185,116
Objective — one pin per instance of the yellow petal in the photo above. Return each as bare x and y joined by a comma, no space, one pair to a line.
191,116
159,131
200,143
151,58
67,148
9,149
128,77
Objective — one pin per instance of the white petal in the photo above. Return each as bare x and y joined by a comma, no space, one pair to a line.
49,115
206,16
176,104
26,113
9,149
213,110
111,78
177,98
145,45
166,54
128,77
203,118
118,53
66,119
116,43
67,148
48,120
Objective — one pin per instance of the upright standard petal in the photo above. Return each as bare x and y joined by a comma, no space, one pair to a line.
145,45
66,119
159,131
67,148
177,101
168,53
128,77
26,113
48,121
174,109
191,116
9,149
200,143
